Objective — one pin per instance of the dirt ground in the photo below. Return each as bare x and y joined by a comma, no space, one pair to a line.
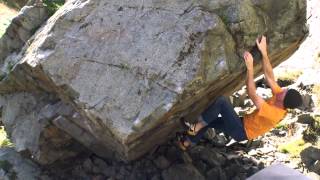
6,14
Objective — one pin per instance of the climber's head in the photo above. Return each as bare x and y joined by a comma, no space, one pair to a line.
292,99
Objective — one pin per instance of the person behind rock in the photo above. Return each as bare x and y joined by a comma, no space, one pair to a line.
266,116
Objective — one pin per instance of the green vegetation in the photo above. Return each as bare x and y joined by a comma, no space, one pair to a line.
316,91
294,148
282,126
4,141
53,5
289,75
11,4
310,137
6,15
3,26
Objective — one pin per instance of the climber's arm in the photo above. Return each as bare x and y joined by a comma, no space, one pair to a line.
266,65
251,87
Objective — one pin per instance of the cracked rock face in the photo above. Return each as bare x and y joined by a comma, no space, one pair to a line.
131,69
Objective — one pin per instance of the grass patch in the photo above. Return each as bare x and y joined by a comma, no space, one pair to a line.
294,148
4,141
282,126
289,75
6,15
4,23
53,5
11,4
316,91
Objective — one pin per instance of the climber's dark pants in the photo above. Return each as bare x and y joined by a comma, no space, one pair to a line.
229,122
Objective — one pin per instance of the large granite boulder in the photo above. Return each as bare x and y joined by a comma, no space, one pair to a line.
130,70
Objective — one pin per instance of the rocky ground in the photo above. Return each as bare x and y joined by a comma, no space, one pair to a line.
294,142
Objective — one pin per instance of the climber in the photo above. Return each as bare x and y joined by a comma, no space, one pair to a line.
267,114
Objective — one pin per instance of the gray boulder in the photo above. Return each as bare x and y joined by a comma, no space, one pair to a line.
182,172
22,27
14,166
28,121
131,69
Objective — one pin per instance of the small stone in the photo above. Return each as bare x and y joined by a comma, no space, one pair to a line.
305,119
15,166
42,177
110,171
246,167
156,177
137,174
161,162
182,171
172,154
100,163
233,169
201,166
232,156
208,155
2,173
216,173
280,156
254,144
252,152
242,176
275,131
282,133
316,167
270,159
186,158
307,103
123,173
87,165
220,140
266,149
253,170
98,177
236,178
261,165
210,134
310,155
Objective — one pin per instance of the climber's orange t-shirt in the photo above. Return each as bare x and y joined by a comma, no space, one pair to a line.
265,118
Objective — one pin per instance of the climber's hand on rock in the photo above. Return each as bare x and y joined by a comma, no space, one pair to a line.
248,60
262,45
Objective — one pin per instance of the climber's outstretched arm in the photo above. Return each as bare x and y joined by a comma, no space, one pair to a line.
266,65
251,86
